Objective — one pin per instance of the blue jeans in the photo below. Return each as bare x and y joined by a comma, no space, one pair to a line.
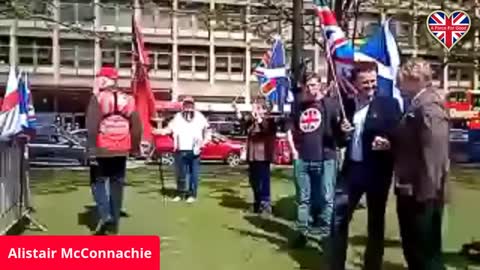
188,168
108,187
315,190
259,177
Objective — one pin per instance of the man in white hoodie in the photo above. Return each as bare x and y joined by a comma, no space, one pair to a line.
189,130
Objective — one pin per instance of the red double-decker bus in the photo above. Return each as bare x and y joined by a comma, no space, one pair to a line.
465,106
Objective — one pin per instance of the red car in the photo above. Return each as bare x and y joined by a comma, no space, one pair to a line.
218,148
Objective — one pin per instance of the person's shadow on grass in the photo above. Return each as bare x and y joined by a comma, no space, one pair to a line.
278,234
88,218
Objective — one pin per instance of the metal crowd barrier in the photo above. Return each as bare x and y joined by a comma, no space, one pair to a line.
14,185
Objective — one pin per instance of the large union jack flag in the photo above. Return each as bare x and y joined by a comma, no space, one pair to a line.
449,29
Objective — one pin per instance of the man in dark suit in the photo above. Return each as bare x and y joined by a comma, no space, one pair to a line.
367,167
420,146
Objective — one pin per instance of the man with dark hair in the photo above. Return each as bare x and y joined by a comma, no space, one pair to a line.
367,167
261,131
313,133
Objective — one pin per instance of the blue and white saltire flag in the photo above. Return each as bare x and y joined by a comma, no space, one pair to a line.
273,77
27,111
382,48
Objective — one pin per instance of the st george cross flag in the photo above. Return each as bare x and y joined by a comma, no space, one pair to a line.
339,47
144,98
272,75
10,117
382,48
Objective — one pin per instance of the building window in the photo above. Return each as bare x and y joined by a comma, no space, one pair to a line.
85,14
229,17
67,12
44,54
35,51
161,54
309,26
185,62
4,49
310,60
193,15
25,55
193,58
124,16
201,63
148,16
466,73
77,53
437,71
39,7
221,63
108,16
164,61
231,60
453,73
164,19
125,56
67,56
85,55
185,22
237,64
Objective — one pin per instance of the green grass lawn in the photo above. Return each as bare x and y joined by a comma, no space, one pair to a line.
216,233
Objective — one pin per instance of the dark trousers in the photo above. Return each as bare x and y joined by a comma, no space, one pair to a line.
421,231
108,187
359,179
188,168
259,177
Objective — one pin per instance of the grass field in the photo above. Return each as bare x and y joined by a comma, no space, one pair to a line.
217,233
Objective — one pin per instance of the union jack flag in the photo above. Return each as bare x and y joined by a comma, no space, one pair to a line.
449,30
273,58
271,74
340,47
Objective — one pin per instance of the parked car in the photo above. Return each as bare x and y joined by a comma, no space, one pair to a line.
218,148
56,149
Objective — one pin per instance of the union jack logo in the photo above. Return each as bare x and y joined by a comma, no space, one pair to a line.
449,30
310,120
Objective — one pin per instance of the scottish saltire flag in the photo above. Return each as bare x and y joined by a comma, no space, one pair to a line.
272,75
27,111
10,117
382,48
340,48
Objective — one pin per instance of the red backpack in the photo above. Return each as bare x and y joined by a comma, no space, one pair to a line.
114,129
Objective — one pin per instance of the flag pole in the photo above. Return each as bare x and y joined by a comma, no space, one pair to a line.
334,76
331,65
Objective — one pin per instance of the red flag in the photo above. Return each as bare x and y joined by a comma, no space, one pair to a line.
144,98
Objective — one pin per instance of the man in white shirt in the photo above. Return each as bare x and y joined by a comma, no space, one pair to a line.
189,129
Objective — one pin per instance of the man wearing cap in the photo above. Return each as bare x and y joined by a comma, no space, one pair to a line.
114,132
189,130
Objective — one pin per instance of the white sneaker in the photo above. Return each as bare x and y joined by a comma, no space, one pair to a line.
191,200
176,199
